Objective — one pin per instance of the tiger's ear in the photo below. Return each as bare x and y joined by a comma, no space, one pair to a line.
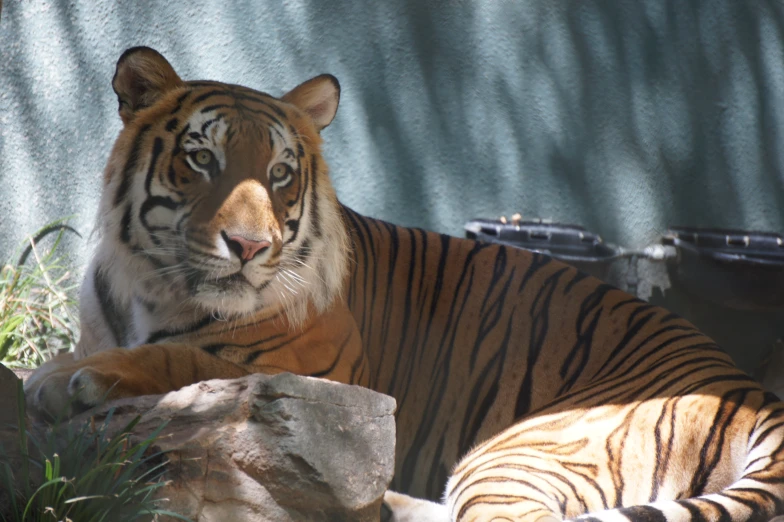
142,76
318,97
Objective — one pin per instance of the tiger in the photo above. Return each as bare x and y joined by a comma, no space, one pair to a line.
199,261
526,389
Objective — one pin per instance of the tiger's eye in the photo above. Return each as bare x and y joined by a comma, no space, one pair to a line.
203,157
279,171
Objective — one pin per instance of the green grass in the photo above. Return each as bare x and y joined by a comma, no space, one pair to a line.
78,473
69,472
37,305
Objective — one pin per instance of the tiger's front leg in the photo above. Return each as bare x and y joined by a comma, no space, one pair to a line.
65,387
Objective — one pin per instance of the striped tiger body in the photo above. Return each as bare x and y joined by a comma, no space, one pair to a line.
526,390
532,390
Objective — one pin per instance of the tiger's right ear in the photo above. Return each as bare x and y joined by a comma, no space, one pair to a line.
142,76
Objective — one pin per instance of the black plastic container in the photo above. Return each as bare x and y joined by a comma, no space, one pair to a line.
569,243
734,268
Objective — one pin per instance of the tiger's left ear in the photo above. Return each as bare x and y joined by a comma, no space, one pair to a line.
318,97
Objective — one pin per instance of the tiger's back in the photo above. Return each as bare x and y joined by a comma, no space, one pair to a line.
619,401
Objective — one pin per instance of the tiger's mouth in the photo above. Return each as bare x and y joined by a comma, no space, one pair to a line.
201,281
229,285
233,279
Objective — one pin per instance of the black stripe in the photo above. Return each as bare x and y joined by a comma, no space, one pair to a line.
644,514
694,511
157,148
276,124
621,304
314,197
655,347
724,515
203,83
207,124
251,357
581,351
180,100
209,108
631,332
262,99
172,176
150,204
130,166
576,278
663,451
162,334
437,476
111,310
213,349
587,475
356,365
444,352
178,141
540,324
394,252
491,315
338,357
502,499
671,317
209,94
713,447
490,374
125,225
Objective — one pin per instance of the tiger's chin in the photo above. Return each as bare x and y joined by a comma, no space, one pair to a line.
229,297
234,297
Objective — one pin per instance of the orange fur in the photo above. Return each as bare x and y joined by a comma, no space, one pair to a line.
327,345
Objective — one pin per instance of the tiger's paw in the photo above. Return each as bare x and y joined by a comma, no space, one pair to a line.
402,508
66,393
64,390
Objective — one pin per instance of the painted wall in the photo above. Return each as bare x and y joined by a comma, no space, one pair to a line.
623,116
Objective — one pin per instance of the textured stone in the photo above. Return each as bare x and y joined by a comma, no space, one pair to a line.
273,448
9,392
9,412
23,374
9,415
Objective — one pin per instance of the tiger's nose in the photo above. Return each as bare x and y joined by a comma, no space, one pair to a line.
246,249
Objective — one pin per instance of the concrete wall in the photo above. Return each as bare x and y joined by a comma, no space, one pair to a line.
624,116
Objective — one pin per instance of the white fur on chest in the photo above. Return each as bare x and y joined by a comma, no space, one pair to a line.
120,294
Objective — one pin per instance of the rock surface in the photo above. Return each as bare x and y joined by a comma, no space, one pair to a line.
22,374
9,419
9,395
273,448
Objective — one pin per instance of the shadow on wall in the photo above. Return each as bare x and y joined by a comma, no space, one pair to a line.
625,117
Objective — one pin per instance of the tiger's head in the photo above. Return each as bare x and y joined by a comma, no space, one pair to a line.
217,195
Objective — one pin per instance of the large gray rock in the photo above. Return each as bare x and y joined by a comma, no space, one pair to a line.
9,420
9,396
271,448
